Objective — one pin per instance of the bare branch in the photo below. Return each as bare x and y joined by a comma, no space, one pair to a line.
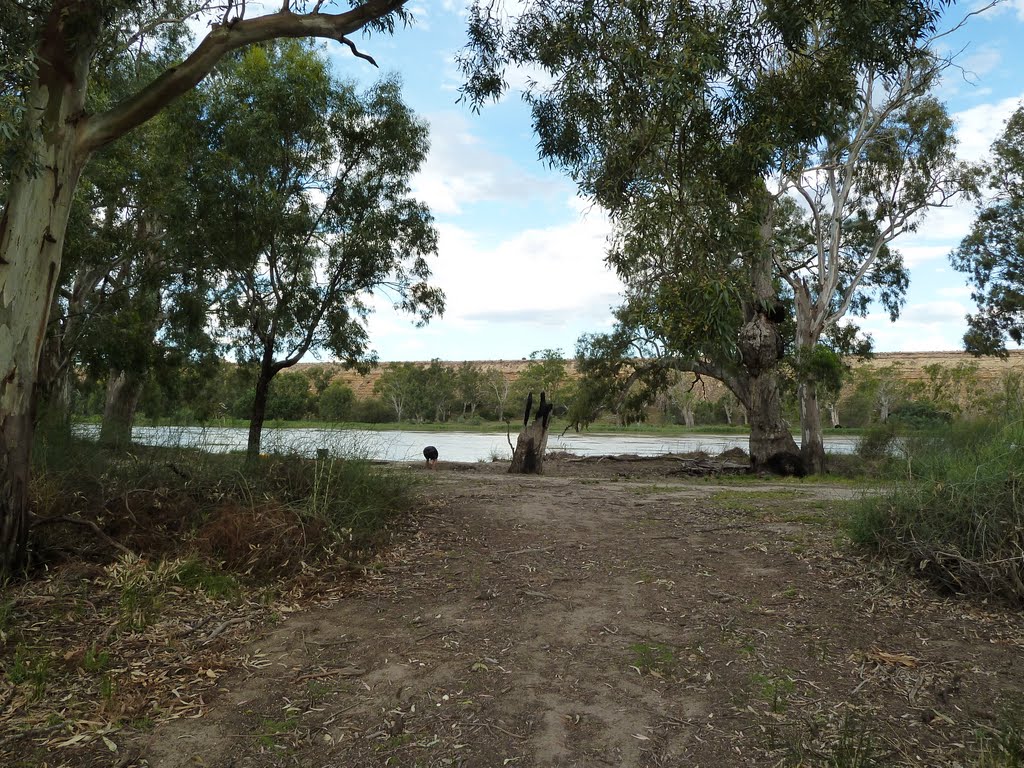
356,52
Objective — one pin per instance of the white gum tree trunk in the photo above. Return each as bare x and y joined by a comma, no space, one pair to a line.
31,241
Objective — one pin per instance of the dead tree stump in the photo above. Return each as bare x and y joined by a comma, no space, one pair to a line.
528,457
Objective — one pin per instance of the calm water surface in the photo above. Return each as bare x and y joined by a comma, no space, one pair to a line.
400,445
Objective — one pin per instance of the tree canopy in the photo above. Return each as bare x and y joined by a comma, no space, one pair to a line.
992,254
306,209
53,53
694,124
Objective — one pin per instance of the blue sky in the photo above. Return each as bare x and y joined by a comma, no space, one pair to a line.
522,257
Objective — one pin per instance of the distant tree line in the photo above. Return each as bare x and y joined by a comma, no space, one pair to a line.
471,393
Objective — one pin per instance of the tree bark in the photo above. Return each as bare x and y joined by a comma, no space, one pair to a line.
31,240
772,445
123,390
53,386
812,443
689,417
833,414
528,457
808,333
259,413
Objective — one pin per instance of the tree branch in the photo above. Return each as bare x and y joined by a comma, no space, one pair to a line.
176,81
356,52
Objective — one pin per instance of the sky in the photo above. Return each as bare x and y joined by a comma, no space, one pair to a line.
521,256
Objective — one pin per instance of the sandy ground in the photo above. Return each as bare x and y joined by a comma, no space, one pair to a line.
609,614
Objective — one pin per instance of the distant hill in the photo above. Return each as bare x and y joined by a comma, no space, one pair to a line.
363,385
912,367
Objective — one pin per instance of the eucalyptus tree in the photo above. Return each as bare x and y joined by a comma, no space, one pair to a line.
546,372
470,387
681,119
400,386
992,254
862,188
114,240
50,53
438,391
145,309
306,202
497,383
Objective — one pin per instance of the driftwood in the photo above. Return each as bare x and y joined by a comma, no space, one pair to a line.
528,457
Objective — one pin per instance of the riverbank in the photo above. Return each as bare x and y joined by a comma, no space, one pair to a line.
407,445
500,427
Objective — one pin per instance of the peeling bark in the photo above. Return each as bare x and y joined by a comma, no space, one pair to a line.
31,241
812,442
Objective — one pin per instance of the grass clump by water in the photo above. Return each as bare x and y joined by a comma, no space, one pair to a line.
957,516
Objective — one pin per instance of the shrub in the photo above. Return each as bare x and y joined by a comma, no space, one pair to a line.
372,411
167,503
958,518
336,402
877,442
920,415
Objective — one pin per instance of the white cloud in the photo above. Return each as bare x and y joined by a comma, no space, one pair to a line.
979,126
420,15
939,233
462,169
547,273
955,292
921,327
1016,6
914,255
538,288
934,312
983,60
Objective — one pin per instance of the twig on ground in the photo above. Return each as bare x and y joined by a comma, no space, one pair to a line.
344,672
220,628
534,593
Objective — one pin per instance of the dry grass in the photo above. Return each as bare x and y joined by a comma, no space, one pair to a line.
147,572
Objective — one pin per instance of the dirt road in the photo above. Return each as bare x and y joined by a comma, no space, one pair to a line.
600,619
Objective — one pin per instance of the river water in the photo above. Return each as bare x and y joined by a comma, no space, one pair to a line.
400,445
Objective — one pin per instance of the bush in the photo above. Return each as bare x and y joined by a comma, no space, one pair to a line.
877,442
165,503
372,411
958,518
336,402
920,416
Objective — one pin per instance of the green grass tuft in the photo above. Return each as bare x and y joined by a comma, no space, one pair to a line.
958,516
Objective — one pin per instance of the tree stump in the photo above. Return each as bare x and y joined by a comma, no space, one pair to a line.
528,457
